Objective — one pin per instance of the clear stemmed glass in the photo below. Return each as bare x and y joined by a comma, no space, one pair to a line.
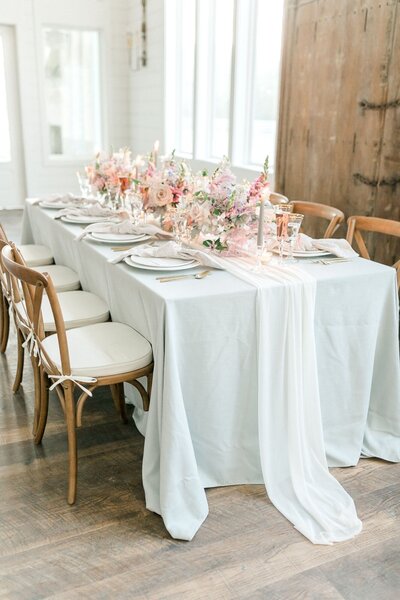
84,185
293,228
179,224
135,205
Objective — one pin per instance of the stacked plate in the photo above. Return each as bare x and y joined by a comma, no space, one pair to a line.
83,220
117,238
56,204
156,263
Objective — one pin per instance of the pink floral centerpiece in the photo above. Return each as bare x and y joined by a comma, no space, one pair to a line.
225,214
163,189
111,176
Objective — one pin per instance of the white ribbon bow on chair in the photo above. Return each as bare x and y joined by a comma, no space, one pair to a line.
31,344
59,379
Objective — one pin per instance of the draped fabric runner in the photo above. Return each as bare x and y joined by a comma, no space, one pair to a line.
297,479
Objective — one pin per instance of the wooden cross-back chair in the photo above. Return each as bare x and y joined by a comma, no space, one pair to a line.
10,298
4,300
322,211
102,354
357,224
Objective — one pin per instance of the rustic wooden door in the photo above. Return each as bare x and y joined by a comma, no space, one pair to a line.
339,137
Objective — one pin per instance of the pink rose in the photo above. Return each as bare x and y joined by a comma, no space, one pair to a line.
160,195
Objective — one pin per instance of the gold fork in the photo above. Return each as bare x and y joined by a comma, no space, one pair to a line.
121,248
200,275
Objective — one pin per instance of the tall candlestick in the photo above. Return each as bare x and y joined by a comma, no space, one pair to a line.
136,165
260,233
155,152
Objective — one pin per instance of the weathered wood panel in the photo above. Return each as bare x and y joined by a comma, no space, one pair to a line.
330,149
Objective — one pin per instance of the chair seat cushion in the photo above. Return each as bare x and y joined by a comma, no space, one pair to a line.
78,308
102,349
64,278
35,255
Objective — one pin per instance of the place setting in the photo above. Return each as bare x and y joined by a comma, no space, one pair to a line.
167,256
64,201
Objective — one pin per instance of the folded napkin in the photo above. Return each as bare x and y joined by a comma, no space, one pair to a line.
124,227
170,250
93,210
339,247
70,199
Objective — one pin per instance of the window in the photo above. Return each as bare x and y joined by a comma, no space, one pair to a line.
223,61
72,92
5,146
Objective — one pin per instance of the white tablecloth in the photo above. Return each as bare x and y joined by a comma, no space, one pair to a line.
202,427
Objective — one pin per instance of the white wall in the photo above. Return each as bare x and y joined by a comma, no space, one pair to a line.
147,84
111,18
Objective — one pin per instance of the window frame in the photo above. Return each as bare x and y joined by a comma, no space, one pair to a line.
54,160
243,66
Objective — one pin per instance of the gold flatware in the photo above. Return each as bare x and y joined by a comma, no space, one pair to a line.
330,261
121,248
200,275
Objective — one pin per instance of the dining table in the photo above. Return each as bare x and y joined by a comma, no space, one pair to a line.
204,428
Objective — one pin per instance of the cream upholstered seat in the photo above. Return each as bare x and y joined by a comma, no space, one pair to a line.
64,278
101,350
78,308
35,255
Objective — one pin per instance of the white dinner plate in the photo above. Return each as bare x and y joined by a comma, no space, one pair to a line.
55,205
304,253
83,220
119,238
155,263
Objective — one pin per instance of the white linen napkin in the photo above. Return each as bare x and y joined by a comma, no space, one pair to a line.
93,210
70,199
124,227
339,247
169,250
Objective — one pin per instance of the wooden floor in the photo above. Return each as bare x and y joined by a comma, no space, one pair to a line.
108,546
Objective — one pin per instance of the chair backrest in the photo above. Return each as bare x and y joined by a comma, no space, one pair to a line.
323,211
33,285
5,281
356,224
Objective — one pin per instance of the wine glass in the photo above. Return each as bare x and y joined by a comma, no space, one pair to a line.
179,224
135,204
293,227
281,221
84,185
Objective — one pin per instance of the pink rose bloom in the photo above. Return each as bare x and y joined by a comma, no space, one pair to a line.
160,195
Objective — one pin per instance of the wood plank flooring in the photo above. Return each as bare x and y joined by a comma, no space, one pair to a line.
108,546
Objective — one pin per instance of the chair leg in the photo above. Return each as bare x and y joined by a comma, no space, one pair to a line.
117,392
5,324
20,362
149,384
43,408
37,400
72,449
